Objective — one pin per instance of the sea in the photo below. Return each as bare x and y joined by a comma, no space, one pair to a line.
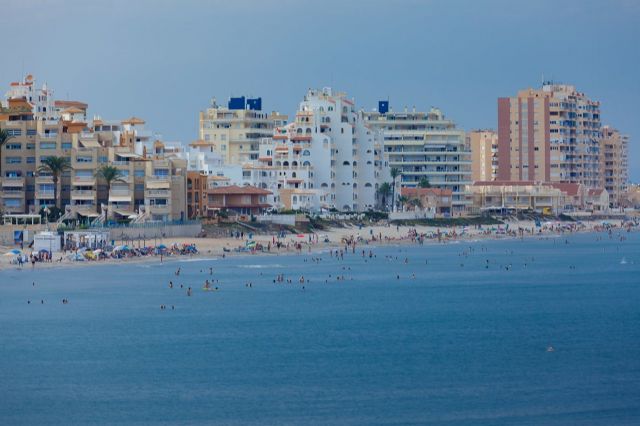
533,331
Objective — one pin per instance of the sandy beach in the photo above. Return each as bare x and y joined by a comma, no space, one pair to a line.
367,236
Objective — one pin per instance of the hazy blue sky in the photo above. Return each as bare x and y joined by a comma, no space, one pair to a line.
164,60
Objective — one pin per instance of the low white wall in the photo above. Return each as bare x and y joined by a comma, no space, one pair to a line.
161,231
280,219
411,215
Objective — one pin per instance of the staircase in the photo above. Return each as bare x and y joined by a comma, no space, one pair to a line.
68,214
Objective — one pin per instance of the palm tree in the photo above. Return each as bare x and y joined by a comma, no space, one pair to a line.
402,200
55,166
424,182
4,138
395,172
109,174
415,203
384,190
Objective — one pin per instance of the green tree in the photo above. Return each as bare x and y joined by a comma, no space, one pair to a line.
384,190
395,172
402,200
415,203
108,174
4,138
424,182
55,166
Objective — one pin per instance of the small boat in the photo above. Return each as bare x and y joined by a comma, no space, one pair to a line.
623,261
210,289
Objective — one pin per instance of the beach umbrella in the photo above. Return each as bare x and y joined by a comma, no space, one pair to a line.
162,247
13,252
97,251
43,251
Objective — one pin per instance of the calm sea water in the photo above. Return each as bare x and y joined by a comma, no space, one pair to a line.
459,344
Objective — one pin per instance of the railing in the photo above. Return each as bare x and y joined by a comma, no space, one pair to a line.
158,192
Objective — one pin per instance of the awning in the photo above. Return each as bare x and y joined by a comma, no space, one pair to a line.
158,184
88,213
90,143
119,198
83,182
126,213
127,155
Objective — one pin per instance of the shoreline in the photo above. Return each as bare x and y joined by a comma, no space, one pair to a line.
212,248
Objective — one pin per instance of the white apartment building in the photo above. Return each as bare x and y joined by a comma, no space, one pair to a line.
326,155
425,145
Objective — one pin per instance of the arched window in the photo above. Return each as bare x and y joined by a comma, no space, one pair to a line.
295,198
355,163
306,153
285,163
278,163
294,163
306,164
324,185
330,108
268,152
308,131
299,131
345,163
367,185
293,175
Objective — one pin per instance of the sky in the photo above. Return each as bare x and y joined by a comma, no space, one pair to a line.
164,60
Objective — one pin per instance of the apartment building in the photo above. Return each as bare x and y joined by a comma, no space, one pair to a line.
326,155
152,183
614,164
550,134
484,154
425,145
235,131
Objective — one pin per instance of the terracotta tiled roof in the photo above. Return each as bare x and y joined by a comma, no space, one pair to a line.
415,192
133,120
239,190
69,104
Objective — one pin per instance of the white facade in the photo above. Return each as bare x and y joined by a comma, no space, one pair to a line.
329,150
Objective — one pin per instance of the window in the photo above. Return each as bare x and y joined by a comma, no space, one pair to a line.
31,132
84,159
66,145
138,173
139,186
161,173
47,145
13,160
103,159
14,132
13,146
31,160
31,146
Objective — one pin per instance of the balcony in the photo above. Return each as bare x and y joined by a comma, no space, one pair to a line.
162,193
77,194
45,195
83,181
44,179
12,193
158,182
120,195
13,182
159,208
